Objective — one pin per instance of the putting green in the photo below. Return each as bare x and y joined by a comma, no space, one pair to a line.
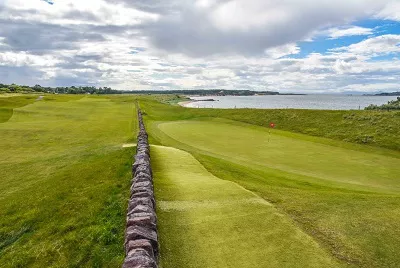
288,152
208,222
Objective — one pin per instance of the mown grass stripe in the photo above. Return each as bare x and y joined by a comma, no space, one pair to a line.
208,222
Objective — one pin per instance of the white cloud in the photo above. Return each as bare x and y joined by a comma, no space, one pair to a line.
249,27
372,47
24,59
390,12
281,51
95,12
335,33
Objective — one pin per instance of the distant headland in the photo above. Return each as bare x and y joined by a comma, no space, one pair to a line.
385,94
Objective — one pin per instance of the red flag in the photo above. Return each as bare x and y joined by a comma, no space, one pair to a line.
272,125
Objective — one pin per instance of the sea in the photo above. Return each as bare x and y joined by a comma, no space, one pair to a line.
316,102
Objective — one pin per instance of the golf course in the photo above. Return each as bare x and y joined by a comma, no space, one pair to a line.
321,189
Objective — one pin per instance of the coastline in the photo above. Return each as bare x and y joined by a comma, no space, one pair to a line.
185,103
311,102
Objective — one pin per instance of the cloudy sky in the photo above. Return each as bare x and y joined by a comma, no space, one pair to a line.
306,46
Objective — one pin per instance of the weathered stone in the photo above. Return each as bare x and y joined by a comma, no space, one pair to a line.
142,148
140,232
145,201
141,174
142,189
144,175
141,179
132,246
141,208
152,216
148,187
139,258
144,160
140,157
142,194
142,184
143,168
142,221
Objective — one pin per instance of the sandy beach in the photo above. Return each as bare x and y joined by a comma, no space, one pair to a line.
185,103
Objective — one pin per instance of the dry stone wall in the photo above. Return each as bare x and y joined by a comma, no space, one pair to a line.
141,240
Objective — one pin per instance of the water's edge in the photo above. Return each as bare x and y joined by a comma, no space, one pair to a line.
317,102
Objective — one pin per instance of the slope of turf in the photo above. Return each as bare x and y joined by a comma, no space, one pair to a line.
7,104
208,222
286,152
344,195
64,182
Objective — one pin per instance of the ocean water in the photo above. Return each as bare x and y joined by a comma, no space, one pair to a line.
318,102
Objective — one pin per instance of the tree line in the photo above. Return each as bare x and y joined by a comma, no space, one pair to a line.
14,88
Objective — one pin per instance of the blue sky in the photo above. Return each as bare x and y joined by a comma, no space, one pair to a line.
323,44
288,46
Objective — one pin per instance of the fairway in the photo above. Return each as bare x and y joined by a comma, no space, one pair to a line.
64,180
208,222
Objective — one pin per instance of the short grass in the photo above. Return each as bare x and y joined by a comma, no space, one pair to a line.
65,180
7,105
344,195
288,152
208,222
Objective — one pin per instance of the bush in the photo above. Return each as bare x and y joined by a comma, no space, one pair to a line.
391,105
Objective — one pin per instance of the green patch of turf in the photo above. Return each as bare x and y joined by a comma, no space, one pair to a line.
208,222
64,183
7,104
256,146
17,101
5,114
358,227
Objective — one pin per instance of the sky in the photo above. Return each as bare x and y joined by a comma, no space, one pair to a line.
297,46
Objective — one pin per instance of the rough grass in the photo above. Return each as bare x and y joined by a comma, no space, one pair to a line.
346,196
64,182
208,222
